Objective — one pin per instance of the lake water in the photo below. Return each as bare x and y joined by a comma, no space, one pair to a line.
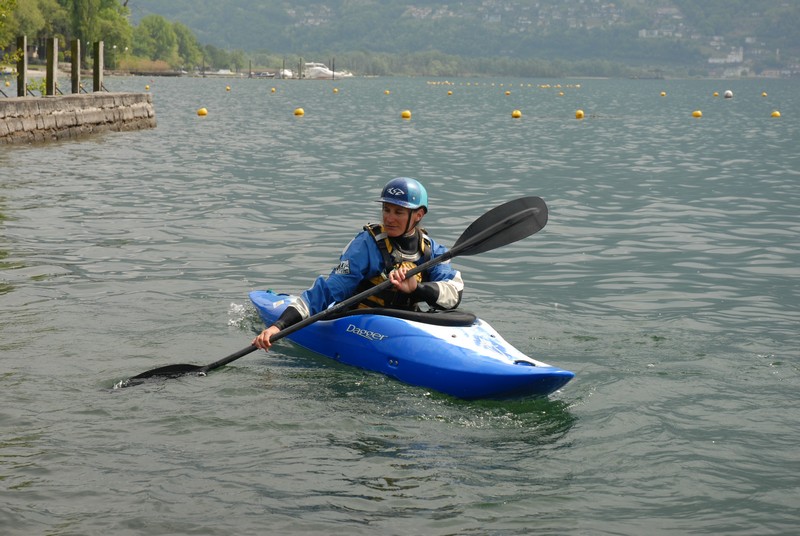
666,279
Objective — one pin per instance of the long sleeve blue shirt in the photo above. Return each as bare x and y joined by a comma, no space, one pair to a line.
362,259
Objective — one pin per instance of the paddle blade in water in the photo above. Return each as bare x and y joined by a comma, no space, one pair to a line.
169,371
503,225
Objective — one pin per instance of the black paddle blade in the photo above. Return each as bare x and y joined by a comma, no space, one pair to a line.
176,371
503,225
169,371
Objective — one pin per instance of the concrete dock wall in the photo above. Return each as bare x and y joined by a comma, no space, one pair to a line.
31,119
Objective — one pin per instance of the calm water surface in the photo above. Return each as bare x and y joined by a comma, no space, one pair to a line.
666,278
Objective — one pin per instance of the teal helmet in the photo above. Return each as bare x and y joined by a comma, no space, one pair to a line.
405,192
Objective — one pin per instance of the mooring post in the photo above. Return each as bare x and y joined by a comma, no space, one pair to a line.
22,66
98,66
76,65
52,66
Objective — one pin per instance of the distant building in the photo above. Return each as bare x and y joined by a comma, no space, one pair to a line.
736,55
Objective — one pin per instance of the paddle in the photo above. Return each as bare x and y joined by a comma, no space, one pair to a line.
500,226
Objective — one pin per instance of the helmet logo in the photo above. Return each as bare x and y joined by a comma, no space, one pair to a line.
395,191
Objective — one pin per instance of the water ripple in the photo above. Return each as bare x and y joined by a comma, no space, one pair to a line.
666,278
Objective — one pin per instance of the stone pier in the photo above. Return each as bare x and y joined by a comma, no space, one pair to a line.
37,119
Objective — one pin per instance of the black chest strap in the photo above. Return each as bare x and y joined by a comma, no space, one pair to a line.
391,252
393,256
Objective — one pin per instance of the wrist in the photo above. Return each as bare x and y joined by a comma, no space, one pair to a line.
426,292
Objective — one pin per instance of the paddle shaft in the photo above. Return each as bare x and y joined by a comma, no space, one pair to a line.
502,225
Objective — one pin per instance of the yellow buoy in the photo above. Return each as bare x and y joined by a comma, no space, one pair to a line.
560,93
449,92
405,114
508,93
386,92
716,94
227,88
764,94
202,112
299,112
336,90
776,113
663,93
273,90
697,113
516,114
147,88
8,84
579,114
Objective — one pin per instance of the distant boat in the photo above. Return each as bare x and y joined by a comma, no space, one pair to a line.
284,73
222,72
320,71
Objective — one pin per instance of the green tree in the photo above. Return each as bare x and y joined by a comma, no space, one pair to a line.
6,31
155,39
28,18
238,60
188,49
90,21
56,19
113,25
83,16
216,58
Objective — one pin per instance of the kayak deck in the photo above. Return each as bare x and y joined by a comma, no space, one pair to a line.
452,352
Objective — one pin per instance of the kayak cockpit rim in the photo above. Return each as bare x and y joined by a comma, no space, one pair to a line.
452,317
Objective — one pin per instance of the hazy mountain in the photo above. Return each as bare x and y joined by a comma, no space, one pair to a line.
634,32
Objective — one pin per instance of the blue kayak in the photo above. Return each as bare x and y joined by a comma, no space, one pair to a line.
452,352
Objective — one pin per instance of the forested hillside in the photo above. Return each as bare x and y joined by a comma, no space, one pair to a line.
670,34
424,37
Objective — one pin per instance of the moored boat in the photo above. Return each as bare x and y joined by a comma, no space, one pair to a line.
320,71
452,352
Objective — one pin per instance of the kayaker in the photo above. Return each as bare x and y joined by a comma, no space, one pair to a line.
380,252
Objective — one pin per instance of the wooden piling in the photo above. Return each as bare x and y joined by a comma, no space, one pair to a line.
98,66
51,78
76,65
22,66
